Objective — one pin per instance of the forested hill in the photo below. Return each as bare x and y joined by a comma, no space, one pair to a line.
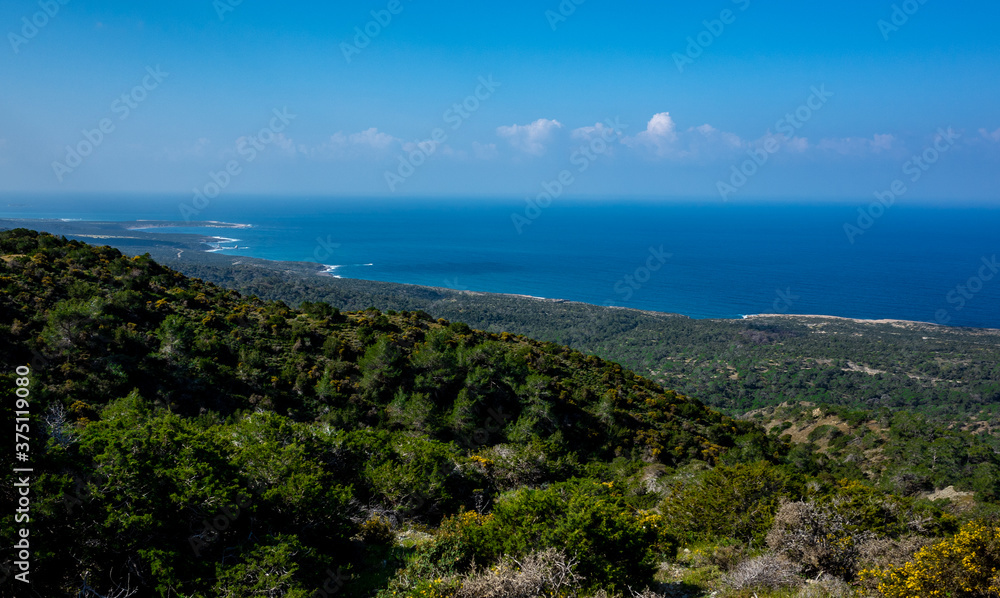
951,375
170,398
104,324
186,441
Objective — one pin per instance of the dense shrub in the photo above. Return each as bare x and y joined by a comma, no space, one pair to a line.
269,569
376,531
819,538
513,466
737,501
615,544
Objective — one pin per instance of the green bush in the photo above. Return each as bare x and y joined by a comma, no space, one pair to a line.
735,501
616,545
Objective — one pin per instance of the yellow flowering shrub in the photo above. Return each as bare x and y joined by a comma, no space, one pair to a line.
430,588
967,564
377,531
481,461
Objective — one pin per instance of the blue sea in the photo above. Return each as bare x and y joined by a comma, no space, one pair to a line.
708,260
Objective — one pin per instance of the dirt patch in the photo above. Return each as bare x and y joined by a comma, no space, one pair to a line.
961,501
854,367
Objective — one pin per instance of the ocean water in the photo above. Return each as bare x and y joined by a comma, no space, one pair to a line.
702,260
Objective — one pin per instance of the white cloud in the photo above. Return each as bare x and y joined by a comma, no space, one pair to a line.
530,138
706,139
447,150
796,144
661,139
664,140
883,142
374,145
601,138
661,126
773,142
341,145
994,136
660,136
284,144
429,147
278,145
369,138
858,146
484,151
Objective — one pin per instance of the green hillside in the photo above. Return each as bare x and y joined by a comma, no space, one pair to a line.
946,374
189,441
949,375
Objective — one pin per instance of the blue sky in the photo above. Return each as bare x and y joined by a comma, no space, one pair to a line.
627,99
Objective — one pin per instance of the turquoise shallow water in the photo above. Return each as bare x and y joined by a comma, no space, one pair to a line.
914,263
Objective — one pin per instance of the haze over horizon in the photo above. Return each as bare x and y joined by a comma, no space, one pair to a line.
731,100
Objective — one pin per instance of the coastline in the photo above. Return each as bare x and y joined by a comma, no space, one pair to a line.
911,324
326,271
892,321
139,231
179,243
153,224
